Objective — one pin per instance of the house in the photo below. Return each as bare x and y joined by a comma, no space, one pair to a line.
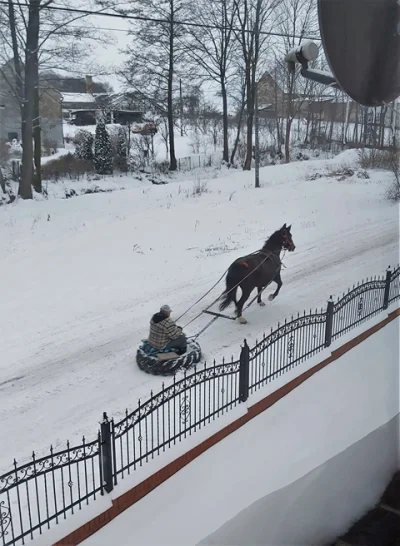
10,113
85,108
330,106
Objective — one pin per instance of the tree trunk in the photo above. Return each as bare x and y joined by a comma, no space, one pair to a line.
2,181
309,117
238,131
225,154
37,138
289,116
172,158
19,81
249,122
32,41
289,122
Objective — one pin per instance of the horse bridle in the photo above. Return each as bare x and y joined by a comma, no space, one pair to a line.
286,241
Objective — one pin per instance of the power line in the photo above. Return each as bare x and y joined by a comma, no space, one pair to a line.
157,20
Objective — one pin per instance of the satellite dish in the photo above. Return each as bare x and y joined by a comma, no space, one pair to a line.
361,39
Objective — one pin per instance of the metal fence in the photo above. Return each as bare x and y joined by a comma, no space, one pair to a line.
37,494
199,161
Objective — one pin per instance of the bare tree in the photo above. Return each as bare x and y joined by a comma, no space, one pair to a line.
238,97
298,19
211,48
31,35
255,19
155,58
394,168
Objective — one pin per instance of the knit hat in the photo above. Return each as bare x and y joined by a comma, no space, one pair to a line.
165,309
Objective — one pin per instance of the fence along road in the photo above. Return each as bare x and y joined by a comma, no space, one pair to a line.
40,493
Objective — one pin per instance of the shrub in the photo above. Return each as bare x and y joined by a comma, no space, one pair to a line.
67,166
394,168
83,141
374,159
103,156
120,154
199,187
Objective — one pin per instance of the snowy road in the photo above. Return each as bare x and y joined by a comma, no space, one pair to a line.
102,264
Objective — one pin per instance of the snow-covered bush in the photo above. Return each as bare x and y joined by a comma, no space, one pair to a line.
103,156
121,151
67,166
394,168
83,141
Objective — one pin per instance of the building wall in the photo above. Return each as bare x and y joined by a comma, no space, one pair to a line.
10,115
10,119
320,506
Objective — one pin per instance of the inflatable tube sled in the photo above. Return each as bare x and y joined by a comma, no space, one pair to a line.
167,362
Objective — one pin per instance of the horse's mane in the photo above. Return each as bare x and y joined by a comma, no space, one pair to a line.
275,240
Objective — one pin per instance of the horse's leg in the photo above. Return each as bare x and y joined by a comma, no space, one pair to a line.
259,300
278,281
246,291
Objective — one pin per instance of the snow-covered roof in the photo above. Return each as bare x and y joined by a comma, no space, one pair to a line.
264,106
78,97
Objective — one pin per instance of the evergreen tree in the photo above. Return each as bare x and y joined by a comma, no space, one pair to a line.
103,157
121,156
121,143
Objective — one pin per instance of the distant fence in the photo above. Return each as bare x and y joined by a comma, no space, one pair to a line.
46,490
199,161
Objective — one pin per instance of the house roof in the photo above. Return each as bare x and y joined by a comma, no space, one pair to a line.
87,98
97,99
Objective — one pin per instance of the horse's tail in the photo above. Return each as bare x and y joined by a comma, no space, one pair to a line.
232,282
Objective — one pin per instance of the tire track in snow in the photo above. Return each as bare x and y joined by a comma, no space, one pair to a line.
65,391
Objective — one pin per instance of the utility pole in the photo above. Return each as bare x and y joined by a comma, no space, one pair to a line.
181,104
257,141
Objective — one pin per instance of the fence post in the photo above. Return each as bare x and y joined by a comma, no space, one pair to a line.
106,453
387,289
329,323
244,373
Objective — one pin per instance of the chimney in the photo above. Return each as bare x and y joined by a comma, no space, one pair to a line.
89,84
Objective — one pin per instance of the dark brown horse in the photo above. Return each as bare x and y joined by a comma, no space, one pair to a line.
257,270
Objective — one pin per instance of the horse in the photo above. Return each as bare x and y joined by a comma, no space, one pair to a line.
257,270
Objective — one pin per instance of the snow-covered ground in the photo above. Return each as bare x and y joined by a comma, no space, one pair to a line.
81,277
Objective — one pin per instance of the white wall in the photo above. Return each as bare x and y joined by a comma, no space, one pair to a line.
232,482
316,509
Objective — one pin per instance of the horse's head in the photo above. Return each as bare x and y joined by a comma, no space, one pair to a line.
287,240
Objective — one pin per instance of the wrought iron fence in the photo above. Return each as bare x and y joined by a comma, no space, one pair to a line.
34,495
37,494
286,347
174,413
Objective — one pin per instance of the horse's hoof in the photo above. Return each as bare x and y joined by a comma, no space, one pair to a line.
242,320
261,304
271,297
